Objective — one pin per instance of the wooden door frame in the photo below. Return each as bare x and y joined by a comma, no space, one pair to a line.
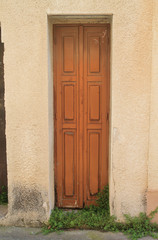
81,72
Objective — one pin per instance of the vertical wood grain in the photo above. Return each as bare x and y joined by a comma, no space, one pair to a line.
81,89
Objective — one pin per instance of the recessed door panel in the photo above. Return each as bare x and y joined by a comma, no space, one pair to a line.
69,164
68,54
81,90
94,103
69,102
94,55
93,161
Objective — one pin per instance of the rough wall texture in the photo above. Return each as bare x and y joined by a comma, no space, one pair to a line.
152,196
153,153
28,102
3,164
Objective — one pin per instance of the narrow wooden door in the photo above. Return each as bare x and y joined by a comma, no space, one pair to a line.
81,97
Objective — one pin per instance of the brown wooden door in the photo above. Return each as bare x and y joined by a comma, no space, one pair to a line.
81,90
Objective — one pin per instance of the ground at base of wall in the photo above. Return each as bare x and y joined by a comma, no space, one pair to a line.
14,233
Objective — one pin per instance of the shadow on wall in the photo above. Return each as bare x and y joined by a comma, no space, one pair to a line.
3,163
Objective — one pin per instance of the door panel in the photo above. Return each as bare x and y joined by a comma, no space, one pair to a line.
67,42
96,108
81,90
94,97
94,55
69,164
68,54
93,161
69,101
66,92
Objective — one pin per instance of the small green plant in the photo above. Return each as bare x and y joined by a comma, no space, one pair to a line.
3,196
103,199
98,218
141,226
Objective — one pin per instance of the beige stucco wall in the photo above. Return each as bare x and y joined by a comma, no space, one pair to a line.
29,94
152,197
153,153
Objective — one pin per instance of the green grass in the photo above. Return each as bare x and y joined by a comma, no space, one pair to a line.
3,196
98,218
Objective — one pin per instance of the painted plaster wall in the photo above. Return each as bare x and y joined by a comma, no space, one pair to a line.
152,196
153,153
28,101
